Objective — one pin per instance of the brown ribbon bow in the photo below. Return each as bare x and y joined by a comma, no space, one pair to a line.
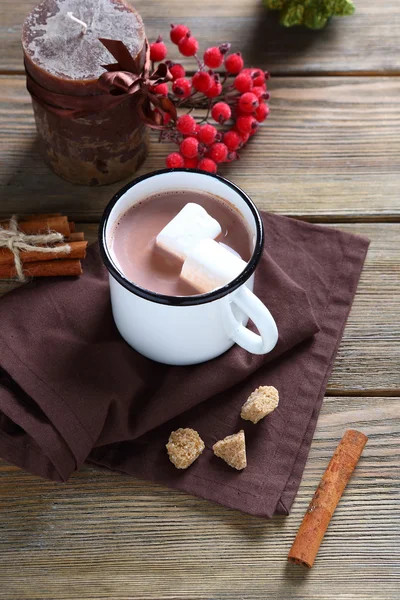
123,79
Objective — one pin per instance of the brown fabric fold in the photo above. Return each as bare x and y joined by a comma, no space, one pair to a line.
71,390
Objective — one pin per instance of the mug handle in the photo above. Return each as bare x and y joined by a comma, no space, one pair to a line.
261,317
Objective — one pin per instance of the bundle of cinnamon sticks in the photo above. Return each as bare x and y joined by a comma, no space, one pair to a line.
44,264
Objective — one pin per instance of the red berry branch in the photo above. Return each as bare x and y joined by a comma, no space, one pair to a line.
234,98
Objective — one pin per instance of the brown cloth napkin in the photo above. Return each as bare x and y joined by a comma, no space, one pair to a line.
71,390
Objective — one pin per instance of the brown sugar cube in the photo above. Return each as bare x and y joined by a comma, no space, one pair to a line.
232,450
260,403
184,446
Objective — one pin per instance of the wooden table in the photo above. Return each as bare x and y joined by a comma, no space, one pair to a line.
330,153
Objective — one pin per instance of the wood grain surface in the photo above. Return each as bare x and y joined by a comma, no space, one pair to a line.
329,152
366,42
107,536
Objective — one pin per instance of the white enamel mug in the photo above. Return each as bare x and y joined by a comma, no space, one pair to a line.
185,330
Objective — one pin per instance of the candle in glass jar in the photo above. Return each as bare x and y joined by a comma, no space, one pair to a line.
63,54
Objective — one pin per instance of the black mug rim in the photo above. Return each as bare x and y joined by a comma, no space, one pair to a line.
181,300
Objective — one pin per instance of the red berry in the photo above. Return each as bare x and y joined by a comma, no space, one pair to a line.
207,134
253,72
197,129
189,147
234,63
248,102
259,79
244,137
174,160
161,89
213,57
181,87
201,81
254,131
259,92
188,45
257,73
177,71
218,152
214,90
243,82
186,125
158,50
177,33
231,156
206,164
190,163
246,124
221,112
262,113
232,140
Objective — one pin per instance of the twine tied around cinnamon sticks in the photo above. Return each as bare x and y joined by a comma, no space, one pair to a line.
17,241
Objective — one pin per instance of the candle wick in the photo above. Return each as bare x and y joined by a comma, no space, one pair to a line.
84,25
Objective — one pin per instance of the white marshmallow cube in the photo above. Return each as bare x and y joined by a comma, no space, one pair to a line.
231,250
210,265
191,225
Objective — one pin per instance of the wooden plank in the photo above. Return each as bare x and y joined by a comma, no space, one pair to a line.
369,355
365,42
330,151
104,535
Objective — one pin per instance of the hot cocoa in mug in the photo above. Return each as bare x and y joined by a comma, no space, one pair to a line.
157,312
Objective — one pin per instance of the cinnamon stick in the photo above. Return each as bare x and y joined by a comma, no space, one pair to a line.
42,225
78,250
71,226
319,513
77,236
45,268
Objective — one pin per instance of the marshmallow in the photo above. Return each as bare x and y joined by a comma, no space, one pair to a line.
210,265
231,250
191,225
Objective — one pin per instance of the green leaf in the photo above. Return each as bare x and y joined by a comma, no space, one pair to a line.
344,8
274,4
312,13
292,14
